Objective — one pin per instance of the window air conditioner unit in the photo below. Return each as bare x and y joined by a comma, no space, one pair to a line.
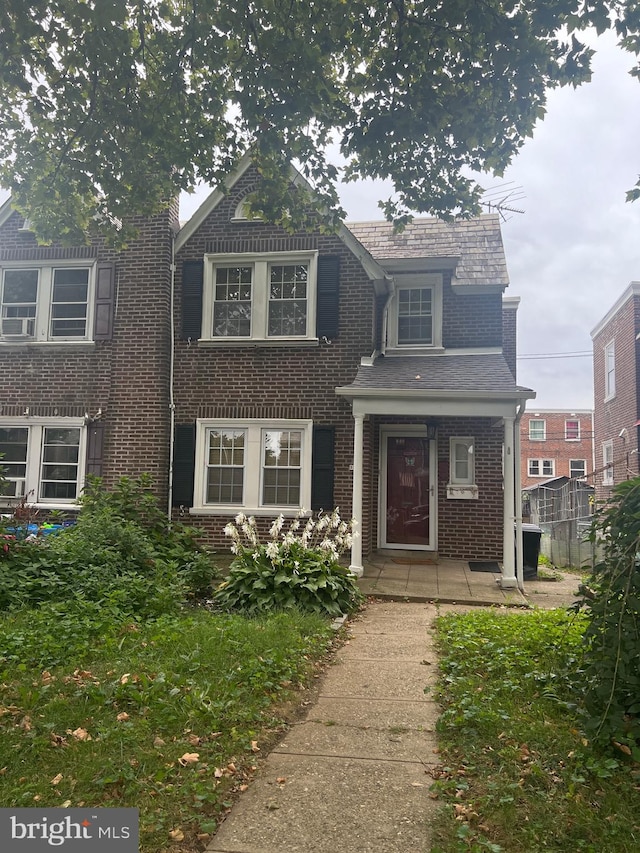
18,327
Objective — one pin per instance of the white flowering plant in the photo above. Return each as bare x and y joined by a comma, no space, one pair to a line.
297,567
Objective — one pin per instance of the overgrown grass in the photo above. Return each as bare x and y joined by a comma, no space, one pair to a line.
517,773
167,716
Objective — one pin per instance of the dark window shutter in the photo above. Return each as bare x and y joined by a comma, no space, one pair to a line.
105,302
192,276
184,463
95,446
328,296
322,468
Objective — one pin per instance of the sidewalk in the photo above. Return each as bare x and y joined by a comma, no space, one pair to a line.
353,775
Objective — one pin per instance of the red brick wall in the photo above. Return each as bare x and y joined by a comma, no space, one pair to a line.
283,381
621,412
126,377
555,446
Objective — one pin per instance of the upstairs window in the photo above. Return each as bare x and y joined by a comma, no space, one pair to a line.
249,297
609,371
415,315
45,303
537,429
572,430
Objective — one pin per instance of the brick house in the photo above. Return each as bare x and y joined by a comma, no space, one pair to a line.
616,358
250,369
556,443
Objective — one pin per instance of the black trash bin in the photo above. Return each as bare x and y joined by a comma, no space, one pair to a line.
531,535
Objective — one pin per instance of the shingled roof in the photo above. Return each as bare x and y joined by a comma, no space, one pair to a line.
475,245
462,373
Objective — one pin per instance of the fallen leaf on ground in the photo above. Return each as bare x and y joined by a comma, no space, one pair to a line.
176,834
189,758
57,779
122,717
79,734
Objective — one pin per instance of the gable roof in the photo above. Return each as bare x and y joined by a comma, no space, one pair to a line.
375,272
5,211
472,246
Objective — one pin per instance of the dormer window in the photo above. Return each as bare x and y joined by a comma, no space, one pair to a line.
415,317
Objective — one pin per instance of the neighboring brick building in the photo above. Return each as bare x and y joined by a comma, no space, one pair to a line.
556,443
616,358
363,369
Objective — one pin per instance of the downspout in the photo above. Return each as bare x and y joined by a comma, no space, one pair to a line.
518,496
385,316
172,358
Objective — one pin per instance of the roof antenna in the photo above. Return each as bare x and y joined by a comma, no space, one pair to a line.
501,199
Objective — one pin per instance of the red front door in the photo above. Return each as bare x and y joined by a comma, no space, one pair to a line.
408,492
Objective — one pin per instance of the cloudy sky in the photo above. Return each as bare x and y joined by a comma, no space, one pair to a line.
576,247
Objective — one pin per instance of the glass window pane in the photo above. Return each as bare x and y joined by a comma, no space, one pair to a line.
281,474
20,286
288,300
225,468
59,472
415,316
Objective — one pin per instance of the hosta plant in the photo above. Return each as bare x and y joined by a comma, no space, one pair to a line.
297,567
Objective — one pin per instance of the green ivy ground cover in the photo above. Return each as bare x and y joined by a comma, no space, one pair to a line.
518,773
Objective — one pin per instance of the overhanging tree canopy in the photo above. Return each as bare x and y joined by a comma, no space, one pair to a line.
109,107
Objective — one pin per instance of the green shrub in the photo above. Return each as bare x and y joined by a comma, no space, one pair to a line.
612,639
122,550
295,569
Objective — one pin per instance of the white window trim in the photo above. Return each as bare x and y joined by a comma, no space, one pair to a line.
544,429
34,459
541,467
462,488
252,503
566,430
43,305
609,375
584,466
607,463
404,281
259,295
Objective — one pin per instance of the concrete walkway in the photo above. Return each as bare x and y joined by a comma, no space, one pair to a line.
354,774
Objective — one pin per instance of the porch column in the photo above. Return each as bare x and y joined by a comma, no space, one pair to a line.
508,579
356,546
518,503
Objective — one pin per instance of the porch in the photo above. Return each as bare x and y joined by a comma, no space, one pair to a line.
430,578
